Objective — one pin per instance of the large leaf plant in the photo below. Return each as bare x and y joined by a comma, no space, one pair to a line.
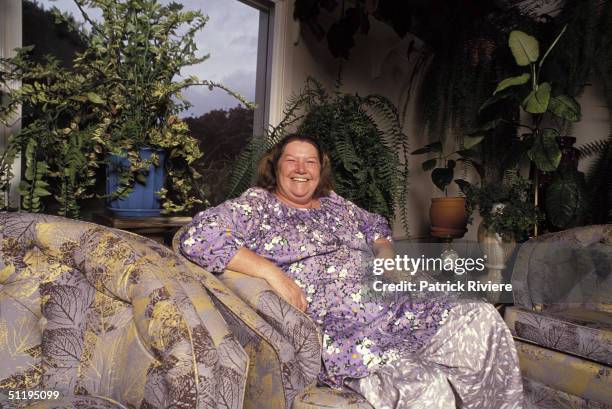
550,115
122,94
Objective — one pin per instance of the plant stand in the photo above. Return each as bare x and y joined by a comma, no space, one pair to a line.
159,228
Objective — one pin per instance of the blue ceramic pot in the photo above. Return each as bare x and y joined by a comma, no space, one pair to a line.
142,201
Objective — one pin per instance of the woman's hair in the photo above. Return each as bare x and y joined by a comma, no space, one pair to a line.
268,164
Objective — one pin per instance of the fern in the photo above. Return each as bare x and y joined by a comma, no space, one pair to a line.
363,137
593,147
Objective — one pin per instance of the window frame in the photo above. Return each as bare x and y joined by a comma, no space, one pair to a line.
263,74
11,38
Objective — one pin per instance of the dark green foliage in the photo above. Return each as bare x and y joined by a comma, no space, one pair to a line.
120,94
599,180
566,199
363,137
586,56
518,215
59,159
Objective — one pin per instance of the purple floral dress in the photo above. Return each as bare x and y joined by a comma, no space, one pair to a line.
326,251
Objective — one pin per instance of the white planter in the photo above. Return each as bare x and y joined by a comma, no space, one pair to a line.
496,250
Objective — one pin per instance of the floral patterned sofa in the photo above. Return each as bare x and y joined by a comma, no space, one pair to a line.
562,318
114,320
288,332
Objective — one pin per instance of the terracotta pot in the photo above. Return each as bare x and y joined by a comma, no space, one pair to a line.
448,217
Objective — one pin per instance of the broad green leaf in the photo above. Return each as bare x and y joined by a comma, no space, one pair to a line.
441,177
524,47
95,98
565,107
512,81
545,152
39,191
537,101
429,164
471,141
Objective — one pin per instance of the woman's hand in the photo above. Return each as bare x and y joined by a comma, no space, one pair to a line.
288,289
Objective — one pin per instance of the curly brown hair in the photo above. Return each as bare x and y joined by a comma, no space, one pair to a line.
268,165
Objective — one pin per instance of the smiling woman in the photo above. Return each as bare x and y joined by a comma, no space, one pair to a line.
296,171
314,248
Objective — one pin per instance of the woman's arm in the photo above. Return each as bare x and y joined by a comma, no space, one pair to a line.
248,262
383,248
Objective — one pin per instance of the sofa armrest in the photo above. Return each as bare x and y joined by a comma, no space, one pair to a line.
579,263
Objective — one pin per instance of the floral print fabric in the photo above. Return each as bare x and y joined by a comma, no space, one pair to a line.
326,251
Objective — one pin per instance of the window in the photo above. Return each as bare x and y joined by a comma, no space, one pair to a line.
238,38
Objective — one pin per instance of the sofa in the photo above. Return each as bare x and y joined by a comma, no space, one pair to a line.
562,318
289,325
109,319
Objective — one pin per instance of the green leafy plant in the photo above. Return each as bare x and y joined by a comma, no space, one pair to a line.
551,116
122,93
363,137
442,165
59,159
517,216
535,97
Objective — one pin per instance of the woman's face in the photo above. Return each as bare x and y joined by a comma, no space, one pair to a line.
298,173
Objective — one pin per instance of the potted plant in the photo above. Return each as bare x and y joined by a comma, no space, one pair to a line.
447,214
117,106
561,189
54,143
508,216
140,48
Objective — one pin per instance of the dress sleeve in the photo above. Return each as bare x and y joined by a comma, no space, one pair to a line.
214,236
374,226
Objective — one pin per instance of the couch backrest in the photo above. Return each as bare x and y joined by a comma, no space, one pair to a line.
89,310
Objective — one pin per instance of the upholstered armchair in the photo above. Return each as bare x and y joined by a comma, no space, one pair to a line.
562,317
293,342
110,320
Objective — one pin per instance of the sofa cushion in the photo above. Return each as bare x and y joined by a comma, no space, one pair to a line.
579,263
121,317
20,315
68,402
579,331
540,396
567,373
318,397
